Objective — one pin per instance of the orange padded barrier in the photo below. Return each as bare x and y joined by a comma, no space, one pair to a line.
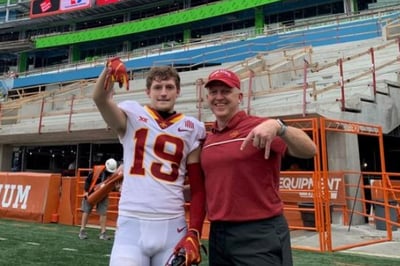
29,196
67,201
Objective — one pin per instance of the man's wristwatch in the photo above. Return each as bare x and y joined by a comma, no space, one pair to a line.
283,128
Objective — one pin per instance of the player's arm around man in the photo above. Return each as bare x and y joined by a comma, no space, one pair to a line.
190,243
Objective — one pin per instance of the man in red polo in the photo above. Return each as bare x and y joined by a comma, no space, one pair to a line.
241,160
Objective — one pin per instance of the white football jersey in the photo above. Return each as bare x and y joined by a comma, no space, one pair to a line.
155,153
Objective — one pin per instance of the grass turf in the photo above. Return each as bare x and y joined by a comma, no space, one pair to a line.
26,243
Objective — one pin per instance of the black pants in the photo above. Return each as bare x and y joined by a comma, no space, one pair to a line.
253,243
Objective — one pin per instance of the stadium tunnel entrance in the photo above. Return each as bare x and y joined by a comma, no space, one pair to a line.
63,159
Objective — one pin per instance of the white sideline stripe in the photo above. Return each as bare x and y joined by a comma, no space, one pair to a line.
69,249
2,238
33,243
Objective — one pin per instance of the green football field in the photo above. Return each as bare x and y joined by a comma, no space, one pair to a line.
26,243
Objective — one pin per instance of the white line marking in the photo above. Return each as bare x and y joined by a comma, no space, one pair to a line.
69,249
33,243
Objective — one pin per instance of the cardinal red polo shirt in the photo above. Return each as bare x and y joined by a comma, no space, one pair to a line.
241,185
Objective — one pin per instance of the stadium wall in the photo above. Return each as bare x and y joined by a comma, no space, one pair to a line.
29,196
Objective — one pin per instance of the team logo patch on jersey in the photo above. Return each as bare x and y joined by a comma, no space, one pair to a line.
188,126
163,124
234,134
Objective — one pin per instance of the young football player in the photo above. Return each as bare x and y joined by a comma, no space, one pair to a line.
161,147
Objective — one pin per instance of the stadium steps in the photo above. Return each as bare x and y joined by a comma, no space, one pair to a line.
283,98
360,100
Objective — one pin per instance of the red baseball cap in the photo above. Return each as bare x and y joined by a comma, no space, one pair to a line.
223,75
